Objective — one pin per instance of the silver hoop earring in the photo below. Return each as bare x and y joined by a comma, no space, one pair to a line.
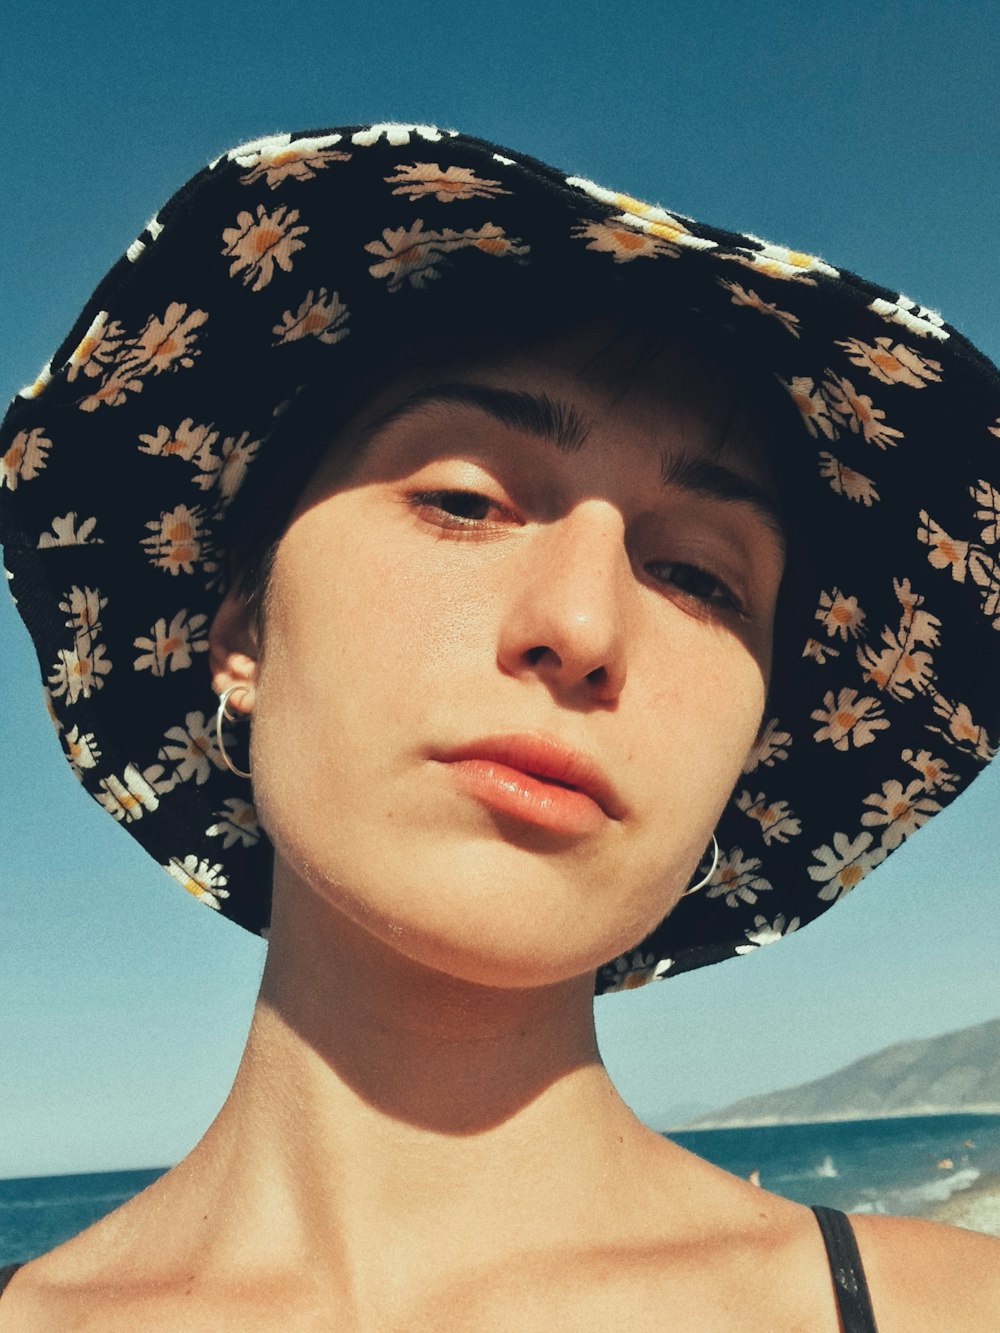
222,714
702,882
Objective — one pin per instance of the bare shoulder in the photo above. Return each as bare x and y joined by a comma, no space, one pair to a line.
925,1275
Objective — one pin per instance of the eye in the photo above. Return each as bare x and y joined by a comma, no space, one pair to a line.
698,583
458,509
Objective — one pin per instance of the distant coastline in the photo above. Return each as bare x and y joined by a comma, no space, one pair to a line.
955,1073
836,1117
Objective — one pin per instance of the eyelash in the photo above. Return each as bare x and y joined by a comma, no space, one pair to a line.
723,600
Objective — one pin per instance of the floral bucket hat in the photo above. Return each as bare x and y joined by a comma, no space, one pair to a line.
314,259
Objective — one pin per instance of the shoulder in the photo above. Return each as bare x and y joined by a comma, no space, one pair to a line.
925,1275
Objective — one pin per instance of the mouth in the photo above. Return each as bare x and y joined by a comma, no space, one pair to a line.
535,777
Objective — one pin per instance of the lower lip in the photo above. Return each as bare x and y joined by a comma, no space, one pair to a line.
509,791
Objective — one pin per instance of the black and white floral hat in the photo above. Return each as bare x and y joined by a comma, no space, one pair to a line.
312,259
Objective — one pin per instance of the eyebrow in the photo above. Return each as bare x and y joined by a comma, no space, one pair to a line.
538,414
562,425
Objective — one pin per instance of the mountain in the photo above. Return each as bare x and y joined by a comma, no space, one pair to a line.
959,1071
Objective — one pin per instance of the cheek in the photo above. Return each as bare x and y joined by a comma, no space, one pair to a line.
358,636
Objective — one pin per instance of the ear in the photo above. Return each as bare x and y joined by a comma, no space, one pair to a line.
233,650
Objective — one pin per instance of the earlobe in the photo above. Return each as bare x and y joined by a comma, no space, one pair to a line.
233,650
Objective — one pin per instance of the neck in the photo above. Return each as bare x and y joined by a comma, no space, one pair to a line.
386,1113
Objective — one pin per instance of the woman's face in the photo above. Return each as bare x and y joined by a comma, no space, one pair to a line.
527,570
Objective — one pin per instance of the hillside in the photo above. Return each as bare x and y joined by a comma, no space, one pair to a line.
959,1071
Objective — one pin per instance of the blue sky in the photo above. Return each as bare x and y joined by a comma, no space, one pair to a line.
868,134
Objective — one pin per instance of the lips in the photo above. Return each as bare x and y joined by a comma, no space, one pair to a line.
549,761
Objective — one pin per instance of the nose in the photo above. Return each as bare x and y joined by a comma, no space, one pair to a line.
567,609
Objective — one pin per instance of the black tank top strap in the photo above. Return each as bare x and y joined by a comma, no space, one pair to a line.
849,1284
7,1271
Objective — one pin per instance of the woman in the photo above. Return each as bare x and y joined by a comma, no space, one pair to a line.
603,605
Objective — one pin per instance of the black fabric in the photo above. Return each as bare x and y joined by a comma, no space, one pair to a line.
6,1273
849,1284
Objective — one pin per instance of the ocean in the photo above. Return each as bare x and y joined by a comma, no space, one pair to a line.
903,1166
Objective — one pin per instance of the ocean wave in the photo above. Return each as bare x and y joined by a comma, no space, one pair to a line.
915,1198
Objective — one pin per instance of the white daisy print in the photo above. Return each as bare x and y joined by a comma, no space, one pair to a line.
186,441
771,747
636,969
420,179
77,674
777,821
24,458
70,530
892,363
848,720
623,240
97,350
81,748
934,773
902,668
743,296
410,254
839,614
235,823
819,651
280,158
192,750
736,879
172,647
166,342
858,413
83,607
130,797
813,406
226,470
844,865
200,878
917,318
899,811
778,261
398,135
845,481
961,729
764,932
177,541
320,315
262,241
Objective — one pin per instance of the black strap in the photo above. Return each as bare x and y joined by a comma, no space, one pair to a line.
6,1273
849,1284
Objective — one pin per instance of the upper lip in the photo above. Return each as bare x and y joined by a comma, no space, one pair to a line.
543,756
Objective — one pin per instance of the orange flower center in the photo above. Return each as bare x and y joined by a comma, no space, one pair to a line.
265,238
885,361
629,240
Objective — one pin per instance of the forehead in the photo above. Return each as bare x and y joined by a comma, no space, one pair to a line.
596,379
